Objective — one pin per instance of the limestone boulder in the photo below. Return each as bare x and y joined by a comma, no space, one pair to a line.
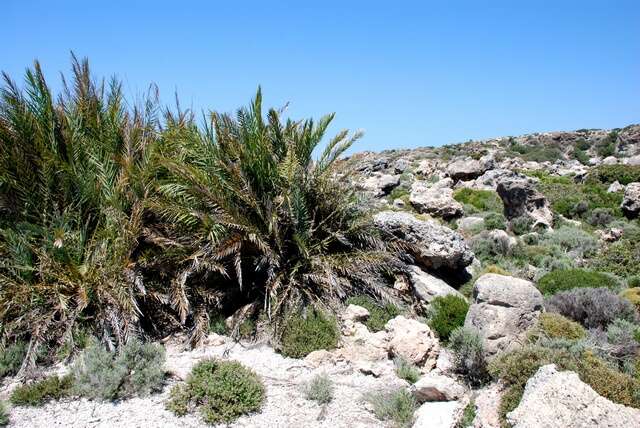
503,308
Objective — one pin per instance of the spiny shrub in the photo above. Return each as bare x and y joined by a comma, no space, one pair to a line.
468,352
468,416
446,313
222,391
621,258
482,200
581,156
42,391
137,369
591,307
11,358
495,220
632,295
405,370
607,146
319,389
567,279
379,313
396,406
305,334
556,326
622,335
4,415
489,248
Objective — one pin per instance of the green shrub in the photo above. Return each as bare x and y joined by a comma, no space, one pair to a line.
567,279
494,220
4,415
482,200
582,144
574,200
221,390
581,156
607,146
632,295
556,326
572,239
379,313
446,314
591,307
600,217
521,225
538,153
396,407
137,369
11,358
468,416
466,346
319,389
405,370
607,174
621,258
302,335
40,392
217,324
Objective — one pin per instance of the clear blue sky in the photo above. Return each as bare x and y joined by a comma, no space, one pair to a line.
408,73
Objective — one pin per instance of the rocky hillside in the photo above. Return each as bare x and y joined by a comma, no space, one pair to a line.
517,304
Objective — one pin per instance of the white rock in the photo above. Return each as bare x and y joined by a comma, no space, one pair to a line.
615,187
560,399
442,414
631,202
413,341
436,199
504,308
427,287
355,313
437,387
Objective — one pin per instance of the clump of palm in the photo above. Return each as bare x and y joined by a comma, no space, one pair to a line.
261,217
71,200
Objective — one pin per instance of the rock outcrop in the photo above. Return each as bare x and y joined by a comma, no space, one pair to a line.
560,399
503,308
434,246
437,387
631,202
413,341
521,198
435,199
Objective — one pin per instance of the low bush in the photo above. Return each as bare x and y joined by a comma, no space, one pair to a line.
632,295
490,248
591,307
556,326
494,220
607,146
319,389
581,156
137,369
11,358
396,407
468,416
607,174
222,391
217,324
482,200
572,240
622,334
302,335
405,370
466,346
600,217
446,313
40,392
520,225
379,313
4,415
567,279
621,258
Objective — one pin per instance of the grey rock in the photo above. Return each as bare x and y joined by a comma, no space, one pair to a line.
380,184
467,169
437,387
443,414
503,309
554,399
427,287
615,187
468,224
521,198
434,246
436,199
631,202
